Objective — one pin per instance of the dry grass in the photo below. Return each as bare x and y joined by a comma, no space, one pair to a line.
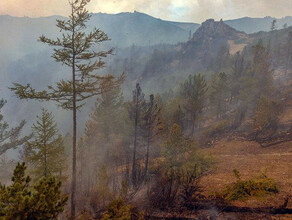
251,159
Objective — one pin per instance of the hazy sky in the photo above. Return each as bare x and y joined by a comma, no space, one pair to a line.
179,10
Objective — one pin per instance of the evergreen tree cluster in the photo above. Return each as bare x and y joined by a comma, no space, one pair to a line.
20,200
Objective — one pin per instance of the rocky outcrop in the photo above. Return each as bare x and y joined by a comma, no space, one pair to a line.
216,29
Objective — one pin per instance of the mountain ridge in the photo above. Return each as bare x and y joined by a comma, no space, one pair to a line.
25,60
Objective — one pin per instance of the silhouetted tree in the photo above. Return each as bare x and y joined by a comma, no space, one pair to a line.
136,110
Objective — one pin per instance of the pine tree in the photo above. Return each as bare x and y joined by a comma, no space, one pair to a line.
43,201
193,93
105,133
273,25
219,93
14,199
173,113
152,125
9,138
261,72
6,167
180,166
106,114
76,50
272,33
102,186
238,70
136,110
46,151
266,116
176,147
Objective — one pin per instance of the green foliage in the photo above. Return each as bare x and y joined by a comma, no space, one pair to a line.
102,187
242,189
176,149
251,77
107,134
174,113
75,49
193,93
219,93
137,107
179,170
152,126
21,202
260,72
107,124
119,210
216,129
46,153
266,115
9,138
107,110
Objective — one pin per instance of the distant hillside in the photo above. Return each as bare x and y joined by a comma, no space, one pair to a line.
156,52
136,28
19,34
197,54
159,68
124,29
252,25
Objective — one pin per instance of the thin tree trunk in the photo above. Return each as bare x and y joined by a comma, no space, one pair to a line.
193,126
135,144
147,153
46,170
73,189
45,146
288,57
81,171
127,168
149,133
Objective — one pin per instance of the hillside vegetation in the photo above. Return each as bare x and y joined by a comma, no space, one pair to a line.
171,124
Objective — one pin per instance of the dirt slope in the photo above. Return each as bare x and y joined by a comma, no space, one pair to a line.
251,159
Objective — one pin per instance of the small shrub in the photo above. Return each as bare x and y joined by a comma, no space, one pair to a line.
178,173
119,210
242,189
164,190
